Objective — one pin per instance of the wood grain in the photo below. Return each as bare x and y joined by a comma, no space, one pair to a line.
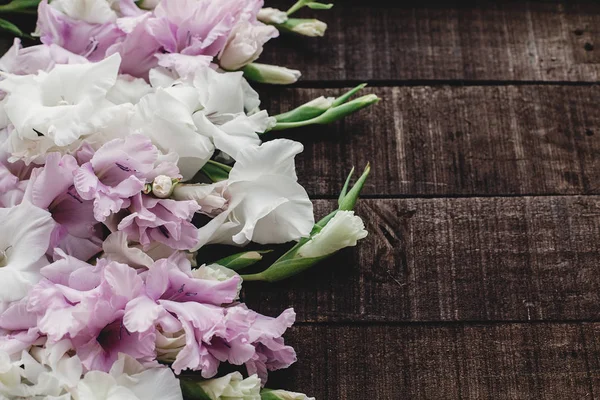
498,361
464,259
455,140
433,40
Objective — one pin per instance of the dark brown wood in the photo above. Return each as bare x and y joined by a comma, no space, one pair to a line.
496,361
434,40
454,140
465,259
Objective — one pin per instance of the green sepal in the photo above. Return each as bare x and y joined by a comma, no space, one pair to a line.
239,261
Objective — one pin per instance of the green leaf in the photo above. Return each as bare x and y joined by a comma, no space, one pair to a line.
19,5
191,390
10,27
239,261
215,171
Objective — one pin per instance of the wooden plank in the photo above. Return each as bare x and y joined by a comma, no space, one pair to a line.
499,361
465,259
433,40
454,140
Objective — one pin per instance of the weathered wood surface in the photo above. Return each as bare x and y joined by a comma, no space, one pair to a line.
442,362
510,40
455,259
455,140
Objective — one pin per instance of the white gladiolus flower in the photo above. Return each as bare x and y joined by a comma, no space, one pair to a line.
208,197
270,15
128,379
92,11
128,89
165,116
24,240
245,44
265,202
343,230
232,386
63,105
224,98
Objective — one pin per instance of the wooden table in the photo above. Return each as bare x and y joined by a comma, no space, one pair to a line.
481,275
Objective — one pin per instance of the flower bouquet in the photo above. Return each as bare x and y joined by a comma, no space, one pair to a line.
130,138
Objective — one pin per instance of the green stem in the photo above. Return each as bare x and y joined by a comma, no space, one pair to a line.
253,277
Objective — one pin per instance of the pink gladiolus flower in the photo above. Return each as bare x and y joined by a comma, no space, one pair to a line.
51,187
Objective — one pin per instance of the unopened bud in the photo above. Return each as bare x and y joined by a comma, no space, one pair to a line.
162,187
272,74
271,15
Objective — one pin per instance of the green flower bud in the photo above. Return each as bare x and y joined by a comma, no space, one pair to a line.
304,27
270,15
272,74
307,111
240,261
332,114
268,394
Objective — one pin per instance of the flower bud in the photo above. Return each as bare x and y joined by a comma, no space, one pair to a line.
343,230
332,114
268,394
240,261
270,15
216,272
162,187
304,27
245,44
168,345
148,4
307,111
208,197
272,74
231,386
